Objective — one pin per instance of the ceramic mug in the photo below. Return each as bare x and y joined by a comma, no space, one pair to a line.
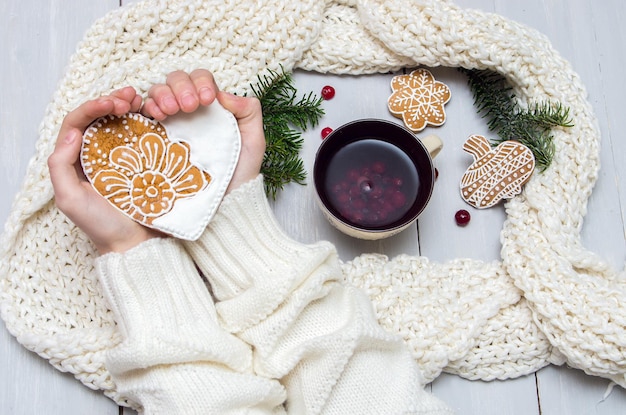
373,178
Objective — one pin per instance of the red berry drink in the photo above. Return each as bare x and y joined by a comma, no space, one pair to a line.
371,183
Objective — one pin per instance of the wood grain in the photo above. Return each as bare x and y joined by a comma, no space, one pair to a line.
37,39
36,42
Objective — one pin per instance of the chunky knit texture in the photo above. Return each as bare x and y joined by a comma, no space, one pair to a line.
281,312
316,334
547,301
174,357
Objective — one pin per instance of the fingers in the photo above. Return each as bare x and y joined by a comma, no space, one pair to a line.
237,105
127,94
77,121
248,113
118,103
205,84
246,110
63,162
64,174
181,92
136,103
82,116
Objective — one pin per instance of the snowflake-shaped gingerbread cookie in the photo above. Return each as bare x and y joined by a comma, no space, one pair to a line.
418,99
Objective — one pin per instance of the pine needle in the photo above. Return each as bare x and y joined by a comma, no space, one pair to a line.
285,117
495,100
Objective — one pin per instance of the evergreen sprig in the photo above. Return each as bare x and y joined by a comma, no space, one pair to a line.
285,117
494,98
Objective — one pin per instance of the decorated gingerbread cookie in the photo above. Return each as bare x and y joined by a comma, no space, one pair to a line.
496,173
418,99
169,176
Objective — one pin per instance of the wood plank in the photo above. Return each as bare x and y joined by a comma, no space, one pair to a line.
569,391
590,36
590,42
440,238
509,397
36,41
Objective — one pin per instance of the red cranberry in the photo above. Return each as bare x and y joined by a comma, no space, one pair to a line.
387,207
337,188
328,92
398,199
343,198
377,192
377,179
326,131
379,167
372,217
358,217
383,215
462,217
355,191
358,204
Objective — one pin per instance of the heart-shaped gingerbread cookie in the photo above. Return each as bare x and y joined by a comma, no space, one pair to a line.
170,176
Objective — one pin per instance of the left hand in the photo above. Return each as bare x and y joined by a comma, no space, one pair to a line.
75,196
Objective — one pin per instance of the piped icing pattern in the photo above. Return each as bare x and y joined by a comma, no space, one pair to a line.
132,163
418,99
496,173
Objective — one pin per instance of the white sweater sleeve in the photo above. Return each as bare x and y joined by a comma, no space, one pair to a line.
318,336
173,357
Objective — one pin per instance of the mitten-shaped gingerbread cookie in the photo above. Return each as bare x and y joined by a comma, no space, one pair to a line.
496,173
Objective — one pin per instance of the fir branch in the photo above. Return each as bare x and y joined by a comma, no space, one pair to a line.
282,111
495,100
549,115
279,170
282,141
302,114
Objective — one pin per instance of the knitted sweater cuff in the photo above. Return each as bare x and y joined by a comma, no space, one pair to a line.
251,264
163,310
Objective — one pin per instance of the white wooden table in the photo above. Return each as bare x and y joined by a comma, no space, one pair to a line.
37,39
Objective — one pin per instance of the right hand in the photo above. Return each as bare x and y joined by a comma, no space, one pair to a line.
187,92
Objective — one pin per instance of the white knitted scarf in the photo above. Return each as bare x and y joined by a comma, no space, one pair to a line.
547,301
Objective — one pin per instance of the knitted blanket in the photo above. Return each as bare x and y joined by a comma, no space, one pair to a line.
548,300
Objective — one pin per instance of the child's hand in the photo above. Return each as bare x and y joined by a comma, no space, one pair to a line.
109,229
186,92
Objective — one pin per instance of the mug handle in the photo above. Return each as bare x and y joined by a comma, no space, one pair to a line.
433,144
